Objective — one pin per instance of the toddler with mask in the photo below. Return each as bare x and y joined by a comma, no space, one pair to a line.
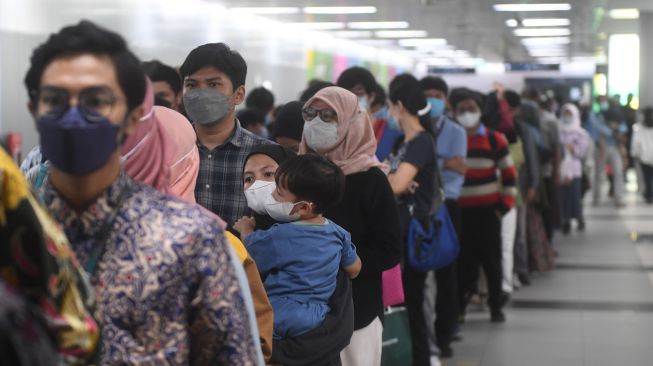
299,259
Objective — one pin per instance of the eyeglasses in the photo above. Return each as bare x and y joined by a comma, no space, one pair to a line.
327,115
94,103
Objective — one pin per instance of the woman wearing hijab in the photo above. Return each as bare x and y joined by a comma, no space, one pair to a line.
322,345
337,128
574,140
163,154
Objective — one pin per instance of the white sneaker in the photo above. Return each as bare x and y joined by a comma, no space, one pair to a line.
515,281
435,361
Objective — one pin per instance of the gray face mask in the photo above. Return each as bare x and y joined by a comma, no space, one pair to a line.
206,106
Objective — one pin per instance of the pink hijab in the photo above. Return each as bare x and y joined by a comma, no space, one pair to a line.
185,165
145,154
356,146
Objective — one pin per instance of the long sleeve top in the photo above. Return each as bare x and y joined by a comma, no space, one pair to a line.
642,144
485,156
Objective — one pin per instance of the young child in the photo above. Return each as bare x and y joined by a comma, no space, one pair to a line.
300,258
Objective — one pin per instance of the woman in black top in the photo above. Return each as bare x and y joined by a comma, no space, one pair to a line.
413,180
337,128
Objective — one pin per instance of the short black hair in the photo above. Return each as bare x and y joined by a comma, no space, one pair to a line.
312,178
158,71
219,56
314,86
434,83
379,96
460,94
357,75
405,88
261,99
250,116
512,98
87,38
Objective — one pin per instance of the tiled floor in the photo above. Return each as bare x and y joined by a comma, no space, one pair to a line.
595,310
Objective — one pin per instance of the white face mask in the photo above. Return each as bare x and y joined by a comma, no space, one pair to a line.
258,194
280,211
567,120
320,136
469,119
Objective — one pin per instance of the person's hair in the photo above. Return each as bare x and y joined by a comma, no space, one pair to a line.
406,89
312,178
461,94
158,71
88,38
357,75
533,94
434,83
314,86
261,99
379,96
512,98
219,56
250,116
289,121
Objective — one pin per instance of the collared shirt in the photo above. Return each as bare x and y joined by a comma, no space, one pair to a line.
166,290
219,185
451,143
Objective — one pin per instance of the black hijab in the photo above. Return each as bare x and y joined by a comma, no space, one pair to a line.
279,154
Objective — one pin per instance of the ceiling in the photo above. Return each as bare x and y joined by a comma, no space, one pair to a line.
473,25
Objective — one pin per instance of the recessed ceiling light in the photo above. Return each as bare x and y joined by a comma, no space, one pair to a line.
319,25
532,7
401,34
422,42
542,32
545,22
378,25
545,41
353,34
512,23
270,10
340,9
624,14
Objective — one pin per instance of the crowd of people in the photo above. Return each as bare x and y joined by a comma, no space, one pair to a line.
158,222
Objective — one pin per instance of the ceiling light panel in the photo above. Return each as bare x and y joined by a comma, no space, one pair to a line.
545,41
532,7
353,34
319,25
423,42
545,22
624,14
542,32
270,10
340,10
378,25
512,23
401,34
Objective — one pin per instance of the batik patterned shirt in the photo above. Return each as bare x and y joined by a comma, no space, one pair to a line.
166,290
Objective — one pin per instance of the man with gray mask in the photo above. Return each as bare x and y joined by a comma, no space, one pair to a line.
214,84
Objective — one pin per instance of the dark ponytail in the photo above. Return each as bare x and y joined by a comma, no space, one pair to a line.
407,90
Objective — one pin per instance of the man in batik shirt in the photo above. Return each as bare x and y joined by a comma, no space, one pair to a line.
166,290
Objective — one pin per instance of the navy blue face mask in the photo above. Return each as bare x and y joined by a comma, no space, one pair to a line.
77,144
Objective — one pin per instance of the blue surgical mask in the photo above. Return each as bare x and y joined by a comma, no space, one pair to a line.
75,145
384,114
437,106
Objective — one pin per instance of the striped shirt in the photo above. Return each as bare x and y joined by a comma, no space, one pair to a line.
219,186
482,187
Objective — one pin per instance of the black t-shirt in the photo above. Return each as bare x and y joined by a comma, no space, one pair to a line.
419,152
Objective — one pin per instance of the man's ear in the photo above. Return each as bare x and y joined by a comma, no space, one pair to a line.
239,95
132,121
32,109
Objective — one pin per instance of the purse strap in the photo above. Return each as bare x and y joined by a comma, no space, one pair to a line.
439,189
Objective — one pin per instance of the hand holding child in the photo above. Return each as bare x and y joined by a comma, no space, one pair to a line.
245,226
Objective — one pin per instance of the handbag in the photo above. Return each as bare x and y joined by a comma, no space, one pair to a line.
433,242
393,287
396,347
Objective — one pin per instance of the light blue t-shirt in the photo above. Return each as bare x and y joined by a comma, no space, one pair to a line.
451,142
299,264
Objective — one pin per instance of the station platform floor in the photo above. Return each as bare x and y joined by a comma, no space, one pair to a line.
594,309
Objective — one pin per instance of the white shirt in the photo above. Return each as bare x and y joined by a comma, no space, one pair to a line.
642,144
